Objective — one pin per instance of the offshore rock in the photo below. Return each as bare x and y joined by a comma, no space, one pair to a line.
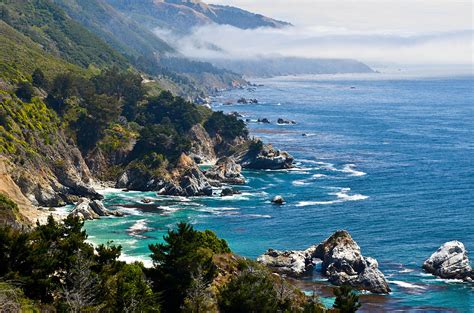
342,263
264,157
285,121
450,261
278,200
86,209
226,171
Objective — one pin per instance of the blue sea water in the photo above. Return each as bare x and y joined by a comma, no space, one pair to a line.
389,158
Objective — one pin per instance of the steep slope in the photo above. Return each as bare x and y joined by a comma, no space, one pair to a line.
115,28
182,15
48,25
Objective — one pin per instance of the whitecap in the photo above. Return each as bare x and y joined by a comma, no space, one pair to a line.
300,183
405,284
342,196
349,168
406,270
257,215
130,211
318,176
138,228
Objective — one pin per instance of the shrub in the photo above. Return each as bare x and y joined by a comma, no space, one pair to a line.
25,91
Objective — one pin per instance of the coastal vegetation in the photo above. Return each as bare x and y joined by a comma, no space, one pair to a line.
54,268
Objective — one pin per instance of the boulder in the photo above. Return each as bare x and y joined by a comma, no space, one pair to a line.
285,121
264,157
227,192
292,263
86,209
226,171
278,200
342,263
450,261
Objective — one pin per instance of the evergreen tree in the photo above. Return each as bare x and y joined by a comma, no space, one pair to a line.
346,300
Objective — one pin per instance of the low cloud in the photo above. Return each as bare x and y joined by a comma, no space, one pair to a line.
372,47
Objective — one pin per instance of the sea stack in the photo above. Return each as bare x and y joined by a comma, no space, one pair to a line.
450,261
342,263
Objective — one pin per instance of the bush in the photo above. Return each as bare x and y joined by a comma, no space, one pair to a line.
346,300
227,126
38,79
25,91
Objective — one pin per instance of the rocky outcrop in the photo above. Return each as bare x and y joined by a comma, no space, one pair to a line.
185,180
263,120
342,263
264,157
285,121
291,263
450,261
278,200
202,146
86,209
226,171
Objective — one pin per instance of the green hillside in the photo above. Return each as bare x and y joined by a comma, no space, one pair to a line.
47,25
113,27
19,56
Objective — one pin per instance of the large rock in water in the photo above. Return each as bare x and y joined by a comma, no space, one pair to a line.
89,210
226,171
450,261
264,157
342,263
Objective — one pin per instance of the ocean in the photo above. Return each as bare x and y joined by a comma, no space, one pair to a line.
390,158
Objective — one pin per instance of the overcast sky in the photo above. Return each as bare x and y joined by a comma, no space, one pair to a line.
373,31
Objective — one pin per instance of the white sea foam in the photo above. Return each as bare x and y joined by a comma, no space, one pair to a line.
342,196
350,169
300,183
406,270
130,211
407,285
318,176
147,262
257,215
139,226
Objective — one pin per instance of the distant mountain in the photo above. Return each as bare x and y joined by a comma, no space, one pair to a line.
281,66
182,15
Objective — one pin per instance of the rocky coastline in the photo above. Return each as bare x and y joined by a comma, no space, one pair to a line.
341,262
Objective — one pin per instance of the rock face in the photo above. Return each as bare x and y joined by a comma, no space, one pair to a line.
292,263
202,146
265,157
89,210
185,180
450,261
226,171
342,263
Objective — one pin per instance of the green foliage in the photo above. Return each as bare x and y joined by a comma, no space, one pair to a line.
251,291
184,254
46,24
226,126
39,79
25,91
346,300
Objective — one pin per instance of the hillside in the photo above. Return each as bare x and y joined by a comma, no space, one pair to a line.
182,15
120,32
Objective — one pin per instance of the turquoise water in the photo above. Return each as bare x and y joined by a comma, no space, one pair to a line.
390,159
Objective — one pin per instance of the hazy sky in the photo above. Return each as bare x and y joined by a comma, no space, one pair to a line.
403,15
373,31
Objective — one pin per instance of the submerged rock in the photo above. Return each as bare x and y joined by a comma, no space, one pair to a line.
89,210
226,171
342,263
450,261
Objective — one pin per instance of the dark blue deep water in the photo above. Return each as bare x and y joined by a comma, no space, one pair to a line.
389,159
